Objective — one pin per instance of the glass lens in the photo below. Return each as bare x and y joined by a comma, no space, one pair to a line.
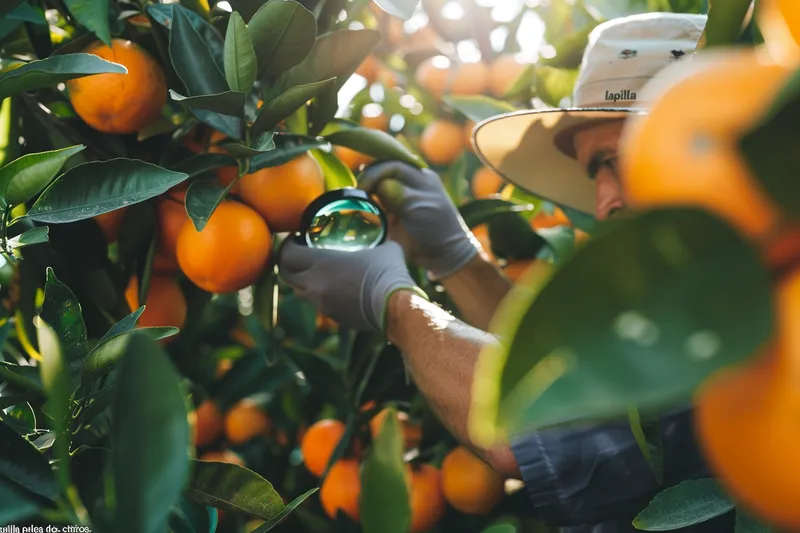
348,225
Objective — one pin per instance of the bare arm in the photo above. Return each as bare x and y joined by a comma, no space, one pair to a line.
477,290
440,352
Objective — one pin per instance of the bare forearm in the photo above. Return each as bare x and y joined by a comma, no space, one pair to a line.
440,352
477,291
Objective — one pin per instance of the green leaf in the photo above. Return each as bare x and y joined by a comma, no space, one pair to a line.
271,523
99,187
57,381
9,6
692,502
283,33
287,147
500,528
233,488
374,143
745,523
337,175
32,236
384,501
334,55
22,463
62,312
201,163
163,14
725,23
54,70
655,316
25,177
24,377
227,103
770,148
560,243
192,57
93,15
554,84
481,211
513,238
287,103
264,143
20,418
403,9
240,59
648,438
202,200
479,108
230,126
123,326
18,504
110,351
150,438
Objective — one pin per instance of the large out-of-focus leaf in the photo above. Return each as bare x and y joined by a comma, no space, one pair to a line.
17,503
287,103
9,6
554,84
692,502
375,143
150,439
385,506
25,177
240,59
99,187
111,349
283,33
62,312
233,488
54,70
479,108
21,463
604,335
725,22
93,15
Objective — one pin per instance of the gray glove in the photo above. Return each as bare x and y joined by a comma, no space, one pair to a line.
440,242
352,288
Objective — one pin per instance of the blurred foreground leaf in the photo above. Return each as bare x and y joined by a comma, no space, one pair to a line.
692,502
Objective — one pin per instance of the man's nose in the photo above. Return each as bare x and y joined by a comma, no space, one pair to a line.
609,194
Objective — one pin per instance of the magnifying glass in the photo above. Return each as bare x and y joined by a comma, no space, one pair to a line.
343,219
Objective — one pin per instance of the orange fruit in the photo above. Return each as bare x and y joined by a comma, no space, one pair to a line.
442,142
165,304
351,159
412,432
469,484
544,219
427,499
434,75
746,420
481,233
779,21
223,456
223,367
470,79
171,216
374,118
388,78
120,103
469,125
230,253
244,421
341,490
685,153
503,73
325,323
281,194
318,443
486,182
208,423
110,223
369,69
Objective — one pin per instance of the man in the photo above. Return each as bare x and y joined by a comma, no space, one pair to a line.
588,478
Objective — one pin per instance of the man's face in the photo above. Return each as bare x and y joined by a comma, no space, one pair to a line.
596,151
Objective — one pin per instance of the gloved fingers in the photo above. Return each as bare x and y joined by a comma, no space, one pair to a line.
374,174
294,257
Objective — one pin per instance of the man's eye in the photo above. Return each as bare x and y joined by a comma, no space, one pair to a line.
596,165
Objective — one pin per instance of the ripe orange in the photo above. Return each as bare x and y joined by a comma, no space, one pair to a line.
165,304
230,253
110,223
427,499
319,442
171,216
486,182
223,456
746,418
373,117
434,75
685,151
412,432
469,484
442,142
281,194
779,21
388,78
503,73
544,219
207,423
351,159
470,79
369,69
342,490
120,103
244,421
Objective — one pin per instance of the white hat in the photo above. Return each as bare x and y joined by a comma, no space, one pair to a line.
534,150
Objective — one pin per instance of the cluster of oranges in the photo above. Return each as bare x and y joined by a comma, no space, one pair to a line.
464,481
685,153
244,421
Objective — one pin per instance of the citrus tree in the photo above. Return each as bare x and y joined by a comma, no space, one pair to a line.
156,373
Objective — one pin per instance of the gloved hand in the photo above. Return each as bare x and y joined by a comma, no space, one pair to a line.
440,241
352,288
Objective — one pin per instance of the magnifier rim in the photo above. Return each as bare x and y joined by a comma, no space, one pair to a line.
347,193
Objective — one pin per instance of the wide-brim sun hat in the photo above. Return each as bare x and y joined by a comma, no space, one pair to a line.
533,149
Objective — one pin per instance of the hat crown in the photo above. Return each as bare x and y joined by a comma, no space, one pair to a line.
623,54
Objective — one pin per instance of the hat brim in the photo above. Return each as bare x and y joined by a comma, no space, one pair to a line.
533,150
